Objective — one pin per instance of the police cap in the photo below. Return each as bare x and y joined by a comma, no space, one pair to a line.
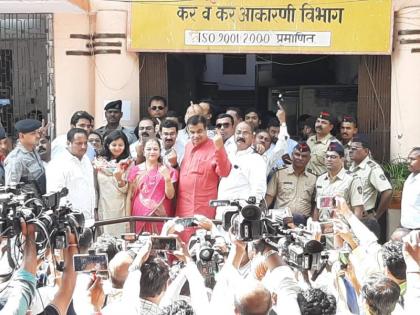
27,125
116,105
302,147
327,116
362,139
336,147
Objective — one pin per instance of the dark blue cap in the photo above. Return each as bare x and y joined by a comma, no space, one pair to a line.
27,125
117,105
336,147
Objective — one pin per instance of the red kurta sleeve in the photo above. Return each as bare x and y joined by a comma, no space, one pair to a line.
223,165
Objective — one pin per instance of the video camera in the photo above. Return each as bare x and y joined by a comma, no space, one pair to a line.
207,257
250,222
51,218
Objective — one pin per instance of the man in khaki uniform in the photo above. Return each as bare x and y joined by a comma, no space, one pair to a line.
373,178
294,187
338,182
319,143
348,129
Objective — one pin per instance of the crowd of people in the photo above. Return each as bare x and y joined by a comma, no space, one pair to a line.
164,168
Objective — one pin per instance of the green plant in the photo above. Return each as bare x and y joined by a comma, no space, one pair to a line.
397,172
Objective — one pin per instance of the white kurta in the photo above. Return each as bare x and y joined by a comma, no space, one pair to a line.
247,178
410,203
77,175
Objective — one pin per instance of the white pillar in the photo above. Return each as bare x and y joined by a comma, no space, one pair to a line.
405,90
116,75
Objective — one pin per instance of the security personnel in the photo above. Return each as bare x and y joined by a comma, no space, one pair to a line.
338,182
348,129
319,143
294,187
373,178
113,115
24,164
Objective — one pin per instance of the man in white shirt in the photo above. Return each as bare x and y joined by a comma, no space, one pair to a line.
410,204
247,177
79,119
73,170
225,124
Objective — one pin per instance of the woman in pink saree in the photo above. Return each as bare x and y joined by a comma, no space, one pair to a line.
151,188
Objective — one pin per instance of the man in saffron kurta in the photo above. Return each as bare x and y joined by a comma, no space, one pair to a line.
205,161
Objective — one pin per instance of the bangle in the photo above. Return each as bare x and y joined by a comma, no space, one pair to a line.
73,245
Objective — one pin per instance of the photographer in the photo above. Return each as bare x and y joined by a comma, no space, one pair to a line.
24,281
21,289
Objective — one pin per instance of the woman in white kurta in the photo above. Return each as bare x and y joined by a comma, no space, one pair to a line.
111,171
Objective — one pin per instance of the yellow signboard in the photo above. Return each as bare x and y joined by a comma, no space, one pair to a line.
265,26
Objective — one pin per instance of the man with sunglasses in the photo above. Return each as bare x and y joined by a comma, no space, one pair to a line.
373,178
225,124
337,182
24,164
157,107
113,115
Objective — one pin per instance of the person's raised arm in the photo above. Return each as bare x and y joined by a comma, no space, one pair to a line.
223,165
64,294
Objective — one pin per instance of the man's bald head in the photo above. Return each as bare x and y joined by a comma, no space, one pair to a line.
252,298
118,269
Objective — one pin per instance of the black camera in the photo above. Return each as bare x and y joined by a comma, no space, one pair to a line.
51,219
301,251
207,258
247,221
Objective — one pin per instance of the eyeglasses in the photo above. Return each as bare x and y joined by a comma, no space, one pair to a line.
332,157
146,128
157,107
224,125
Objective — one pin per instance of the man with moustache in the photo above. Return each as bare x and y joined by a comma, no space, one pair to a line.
247,176
293,187
225,125
113,115
348,129
172,150
205,162
74,171
146,130
319,143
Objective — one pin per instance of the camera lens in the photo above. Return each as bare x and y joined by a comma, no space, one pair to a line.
251,212
206,254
